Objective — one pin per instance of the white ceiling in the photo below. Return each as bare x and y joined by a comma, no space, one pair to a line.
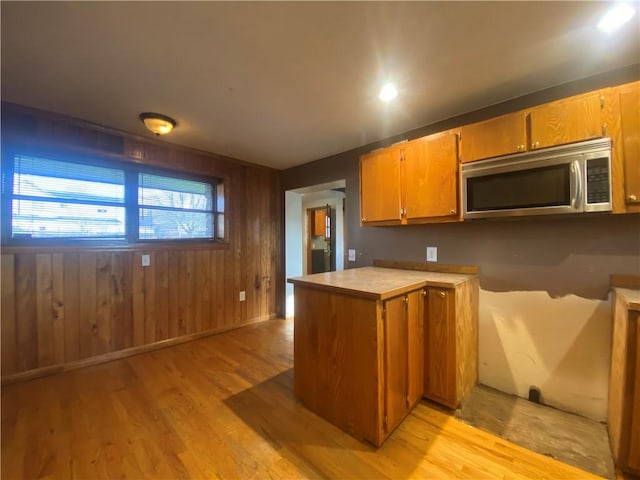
286,83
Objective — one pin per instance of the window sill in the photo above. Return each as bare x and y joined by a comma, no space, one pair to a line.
114,247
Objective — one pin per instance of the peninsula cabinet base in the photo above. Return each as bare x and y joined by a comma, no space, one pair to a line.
359,355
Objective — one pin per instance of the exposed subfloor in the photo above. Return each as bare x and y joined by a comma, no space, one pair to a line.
564,436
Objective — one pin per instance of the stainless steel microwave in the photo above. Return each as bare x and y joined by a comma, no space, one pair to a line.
573,178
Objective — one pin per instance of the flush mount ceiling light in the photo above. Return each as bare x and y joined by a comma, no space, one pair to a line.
157,123
388,92
615,18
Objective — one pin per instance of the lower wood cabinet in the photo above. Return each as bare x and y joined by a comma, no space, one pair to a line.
363,358
451,342
624,387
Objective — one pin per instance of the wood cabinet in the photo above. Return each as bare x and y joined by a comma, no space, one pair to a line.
629,97
450,344
319,225
403,353
359,345
413,182
380,186
494,137
566,121
624,387
431,177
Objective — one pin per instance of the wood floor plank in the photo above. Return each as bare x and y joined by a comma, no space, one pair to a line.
223,407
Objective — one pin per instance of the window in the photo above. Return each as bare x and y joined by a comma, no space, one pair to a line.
45,199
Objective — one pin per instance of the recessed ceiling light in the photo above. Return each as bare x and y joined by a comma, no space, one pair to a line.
388,92
615,18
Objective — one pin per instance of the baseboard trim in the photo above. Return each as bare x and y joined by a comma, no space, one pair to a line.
128,352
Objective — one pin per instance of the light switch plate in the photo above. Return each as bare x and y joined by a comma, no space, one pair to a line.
146,259
352,255
432,254
243,296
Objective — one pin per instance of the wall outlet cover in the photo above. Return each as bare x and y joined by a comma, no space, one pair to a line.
243,296
432,254
146,260
352,255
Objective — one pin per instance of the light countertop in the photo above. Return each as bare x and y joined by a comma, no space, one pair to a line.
631,296
377,282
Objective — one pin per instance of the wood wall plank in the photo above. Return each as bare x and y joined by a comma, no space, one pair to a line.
8,316
162,295
72,291
57,308
26,311
150,300
103,304
138,299
174,299
44,330
88,328
117,301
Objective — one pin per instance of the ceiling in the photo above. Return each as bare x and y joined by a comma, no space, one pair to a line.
285,83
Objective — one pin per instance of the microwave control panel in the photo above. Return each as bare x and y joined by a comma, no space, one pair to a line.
598,181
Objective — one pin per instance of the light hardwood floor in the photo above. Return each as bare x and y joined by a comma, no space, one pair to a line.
222,407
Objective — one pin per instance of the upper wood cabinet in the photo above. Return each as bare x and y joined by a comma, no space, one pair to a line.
494,137
430,176
413,182
630,133
380,185
566,121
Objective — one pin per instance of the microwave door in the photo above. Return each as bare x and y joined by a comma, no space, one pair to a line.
546,187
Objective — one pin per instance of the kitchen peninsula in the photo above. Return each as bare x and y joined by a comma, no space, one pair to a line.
360,360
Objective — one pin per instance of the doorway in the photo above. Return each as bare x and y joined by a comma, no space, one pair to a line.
321,241
298,242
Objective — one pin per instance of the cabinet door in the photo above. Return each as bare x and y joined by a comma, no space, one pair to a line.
415,346
566,121
319,223
395,362
494,137
440,347
633,379
630,126
431,167
380,186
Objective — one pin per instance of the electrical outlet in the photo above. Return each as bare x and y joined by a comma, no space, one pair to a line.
432,254
352,255
243,296
146,260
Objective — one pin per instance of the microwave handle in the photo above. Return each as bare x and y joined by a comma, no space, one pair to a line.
576,184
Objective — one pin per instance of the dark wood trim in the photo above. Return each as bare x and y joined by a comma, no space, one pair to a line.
426,267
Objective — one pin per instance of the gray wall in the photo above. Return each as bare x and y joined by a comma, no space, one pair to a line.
559,255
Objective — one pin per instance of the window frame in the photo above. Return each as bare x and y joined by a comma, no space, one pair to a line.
131,170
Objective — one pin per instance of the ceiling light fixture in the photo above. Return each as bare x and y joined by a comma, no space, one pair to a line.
388,92
615,18
157,123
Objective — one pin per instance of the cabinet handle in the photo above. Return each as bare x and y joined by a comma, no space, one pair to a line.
424,293
452,212
363,219
442,294
535,144
520,148
632,198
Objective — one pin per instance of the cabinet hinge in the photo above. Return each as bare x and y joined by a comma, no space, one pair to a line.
601,101
384,312
402,156
406,300
408,403
604,130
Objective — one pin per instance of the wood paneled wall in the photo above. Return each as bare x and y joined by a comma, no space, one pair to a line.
66,304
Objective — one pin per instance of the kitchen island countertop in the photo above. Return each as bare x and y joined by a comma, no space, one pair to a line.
377,282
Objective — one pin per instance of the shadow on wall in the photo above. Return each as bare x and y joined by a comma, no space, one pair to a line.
561,345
